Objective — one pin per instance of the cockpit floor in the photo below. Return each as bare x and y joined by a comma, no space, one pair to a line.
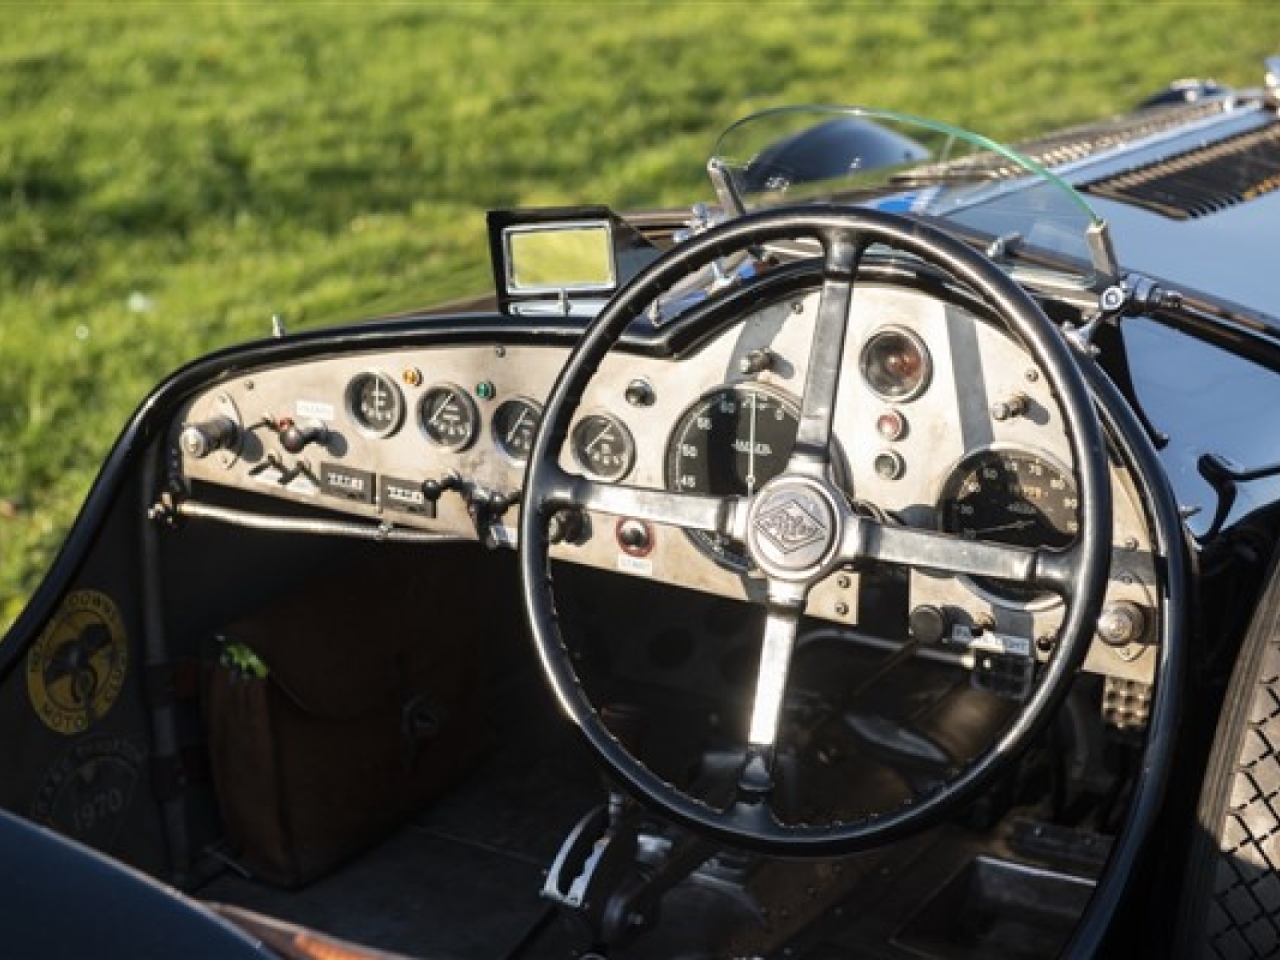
463,879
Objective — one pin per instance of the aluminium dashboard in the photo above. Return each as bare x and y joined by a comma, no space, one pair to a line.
942,421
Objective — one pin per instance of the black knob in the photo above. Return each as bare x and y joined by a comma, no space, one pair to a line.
639,393
929,624
295,439
434,489
634,537
564,525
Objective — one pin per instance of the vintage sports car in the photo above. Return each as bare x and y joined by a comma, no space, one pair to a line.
875,561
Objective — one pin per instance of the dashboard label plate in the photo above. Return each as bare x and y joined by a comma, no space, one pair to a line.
315,410
347,483
640,566
405,496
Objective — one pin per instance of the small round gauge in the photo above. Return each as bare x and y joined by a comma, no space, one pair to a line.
731,442
603,446
896,364
1011,496
448,417
375,404
514,423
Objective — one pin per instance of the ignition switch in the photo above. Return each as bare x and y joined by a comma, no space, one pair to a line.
198,440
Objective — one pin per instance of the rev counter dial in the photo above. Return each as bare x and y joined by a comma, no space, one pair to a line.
603,446
1014,497
731,442
448,417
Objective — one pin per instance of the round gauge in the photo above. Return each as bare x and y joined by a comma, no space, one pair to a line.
448,417
514,423
896,364
375,404
1014,497
731,442
603,446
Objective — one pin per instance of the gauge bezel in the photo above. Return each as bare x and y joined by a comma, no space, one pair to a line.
352,405
717,549
997,595
583,461
926,359
473,414
501,443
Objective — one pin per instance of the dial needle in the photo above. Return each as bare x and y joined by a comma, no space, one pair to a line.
751,449
599,436
1014,525
516,426
444,405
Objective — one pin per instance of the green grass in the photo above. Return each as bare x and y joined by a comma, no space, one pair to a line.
173,174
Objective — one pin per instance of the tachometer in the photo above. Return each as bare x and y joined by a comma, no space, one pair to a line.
1010,496
731,442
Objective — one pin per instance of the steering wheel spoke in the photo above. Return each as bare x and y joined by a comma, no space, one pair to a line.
813,436
867,539
771,682
723,515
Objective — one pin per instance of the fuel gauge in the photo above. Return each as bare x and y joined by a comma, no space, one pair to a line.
603,446
448,417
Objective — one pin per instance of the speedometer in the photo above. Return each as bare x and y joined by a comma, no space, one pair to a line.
731,442
1011,496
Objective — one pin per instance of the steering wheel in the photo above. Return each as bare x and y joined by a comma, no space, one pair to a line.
833,535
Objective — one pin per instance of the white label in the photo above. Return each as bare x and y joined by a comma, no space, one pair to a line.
637,565
315,410
994,643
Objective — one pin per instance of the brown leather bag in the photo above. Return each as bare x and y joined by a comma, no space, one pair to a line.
369,707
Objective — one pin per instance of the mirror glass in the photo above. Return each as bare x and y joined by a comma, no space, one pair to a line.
550,257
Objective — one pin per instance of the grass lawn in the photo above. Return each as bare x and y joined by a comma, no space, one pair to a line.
172,174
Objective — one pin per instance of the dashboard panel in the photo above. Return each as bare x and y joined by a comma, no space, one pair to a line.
942,422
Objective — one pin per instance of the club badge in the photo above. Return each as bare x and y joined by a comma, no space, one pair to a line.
76,669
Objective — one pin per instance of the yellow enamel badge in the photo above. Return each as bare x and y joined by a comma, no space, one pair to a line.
76,669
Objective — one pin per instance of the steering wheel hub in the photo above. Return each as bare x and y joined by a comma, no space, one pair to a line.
793,528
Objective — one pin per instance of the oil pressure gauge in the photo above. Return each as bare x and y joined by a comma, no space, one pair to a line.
448,417
603,446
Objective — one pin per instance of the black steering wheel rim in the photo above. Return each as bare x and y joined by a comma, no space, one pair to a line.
745,824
